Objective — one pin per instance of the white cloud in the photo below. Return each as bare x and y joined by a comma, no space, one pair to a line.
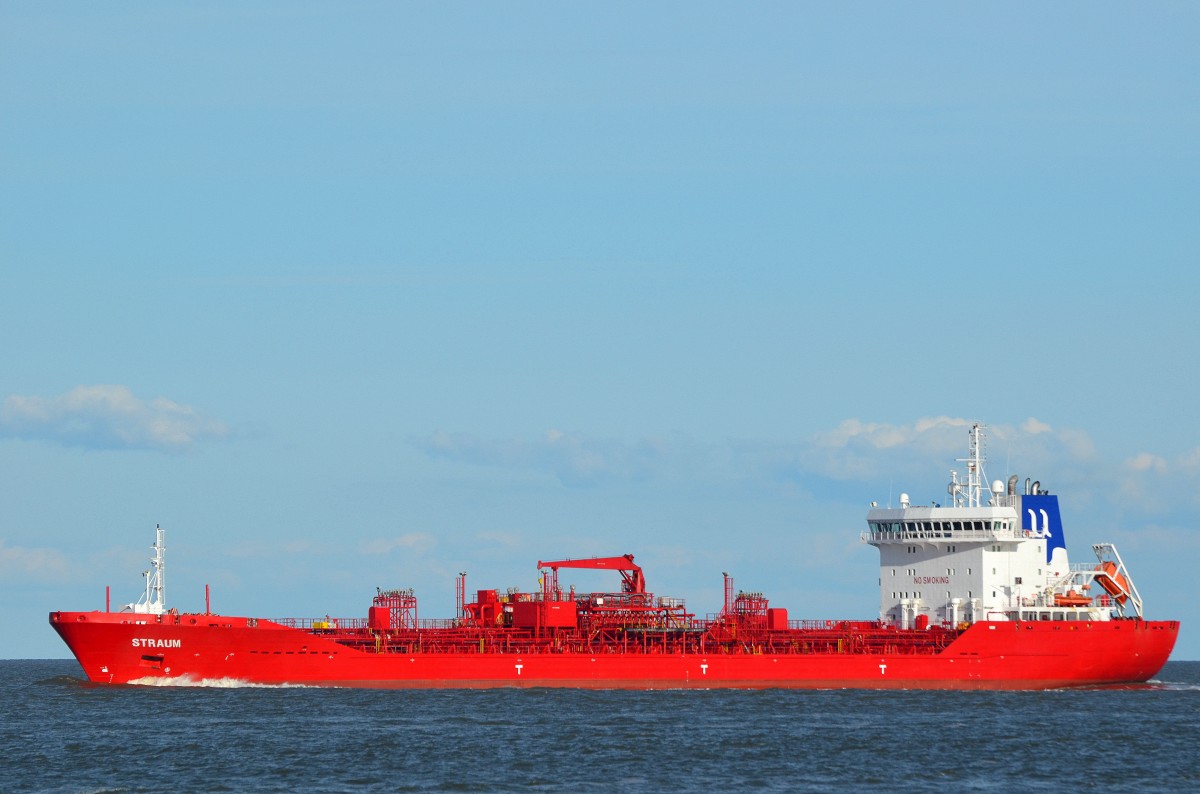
1144,461
853,451
575,460
854,458
418,542
107,417
20,562
1033,427
1160,485
1078,443
940,423
507,540
858,450
852,432
875,435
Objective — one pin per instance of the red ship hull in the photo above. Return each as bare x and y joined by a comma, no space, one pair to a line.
121,648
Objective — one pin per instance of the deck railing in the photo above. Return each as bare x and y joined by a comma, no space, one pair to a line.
320,624
899,536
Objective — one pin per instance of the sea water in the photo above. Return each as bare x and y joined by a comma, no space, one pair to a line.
60,734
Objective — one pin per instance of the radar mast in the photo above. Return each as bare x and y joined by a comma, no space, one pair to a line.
154,601
970,493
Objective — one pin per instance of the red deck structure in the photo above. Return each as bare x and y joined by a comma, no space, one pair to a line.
627,638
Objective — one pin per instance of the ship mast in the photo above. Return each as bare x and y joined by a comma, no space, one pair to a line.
154,600
969,494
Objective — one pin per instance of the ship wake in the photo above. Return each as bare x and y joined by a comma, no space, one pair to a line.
208,683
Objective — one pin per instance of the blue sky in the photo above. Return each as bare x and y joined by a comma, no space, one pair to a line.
347,297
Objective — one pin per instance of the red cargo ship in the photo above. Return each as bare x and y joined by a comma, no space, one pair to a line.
948,621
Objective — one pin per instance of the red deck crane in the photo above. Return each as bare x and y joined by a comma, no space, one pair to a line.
633,580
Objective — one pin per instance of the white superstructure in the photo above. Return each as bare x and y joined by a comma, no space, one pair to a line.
989,555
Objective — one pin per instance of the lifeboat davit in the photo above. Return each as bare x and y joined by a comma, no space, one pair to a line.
1113,583
1073,598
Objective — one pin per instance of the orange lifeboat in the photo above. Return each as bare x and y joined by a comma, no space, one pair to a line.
1073,598
1113,583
